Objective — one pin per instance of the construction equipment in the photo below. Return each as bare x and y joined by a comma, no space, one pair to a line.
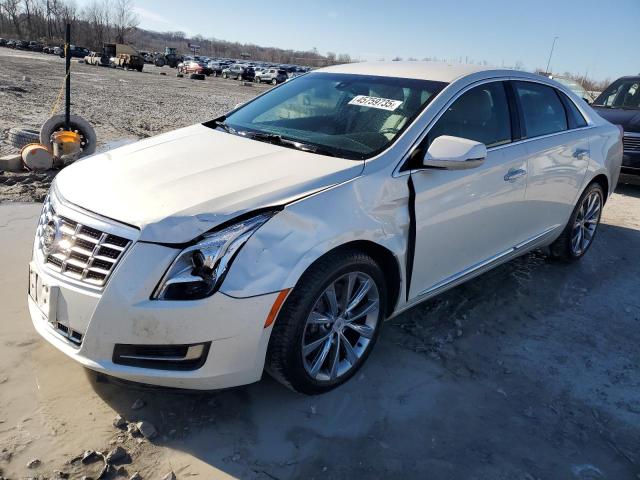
169,57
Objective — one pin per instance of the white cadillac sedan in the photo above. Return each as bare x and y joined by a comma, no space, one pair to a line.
280,236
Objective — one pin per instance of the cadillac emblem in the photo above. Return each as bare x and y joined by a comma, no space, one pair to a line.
50,235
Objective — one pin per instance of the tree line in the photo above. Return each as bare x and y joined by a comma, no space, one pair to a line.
107,21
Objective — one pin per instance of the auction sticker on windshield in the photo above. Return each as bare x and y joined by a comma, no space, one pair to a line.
376,102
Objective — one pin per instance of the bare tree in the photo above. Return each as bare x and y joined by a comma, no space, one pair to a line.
125,20
12,10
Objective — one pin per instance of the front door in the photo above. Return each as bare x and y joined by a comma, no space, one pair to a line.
467,218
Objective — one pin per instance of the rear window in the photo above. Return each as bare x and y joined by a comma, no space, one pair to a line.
542,110
574,116
282,72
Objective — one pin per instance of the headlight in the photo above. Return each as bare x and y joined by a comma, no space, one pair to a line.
198,271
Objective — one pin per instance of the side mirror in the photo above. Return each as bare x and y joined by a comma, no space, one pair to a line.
454,153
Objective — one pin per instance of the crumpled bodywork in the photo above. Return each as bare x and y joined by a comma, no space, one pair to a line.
370,208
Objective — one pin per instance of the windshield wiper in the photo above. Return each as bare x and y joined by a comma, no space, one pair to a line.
287,142
225,126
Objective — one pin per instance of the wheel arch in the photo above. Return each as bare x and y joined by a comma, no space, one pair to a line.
385,259
603,181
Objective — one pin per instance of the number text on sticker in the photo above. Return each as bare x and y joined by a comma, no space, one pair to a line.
375,102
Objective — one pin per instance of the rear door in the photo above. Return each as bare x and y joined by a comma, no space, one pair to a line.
557,152
466,219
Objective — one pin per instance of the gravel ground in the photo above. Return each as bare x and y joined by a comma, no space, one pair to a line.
529,372
121,105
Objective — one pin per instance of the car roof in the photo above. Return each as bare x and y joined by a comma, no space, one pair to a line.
437,71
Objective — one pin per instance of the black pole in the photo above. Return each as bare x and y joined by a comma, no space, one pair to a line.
67,106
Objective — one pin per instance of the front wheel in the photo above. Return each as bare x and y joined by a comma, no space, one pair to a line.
274,81
328,324
581,229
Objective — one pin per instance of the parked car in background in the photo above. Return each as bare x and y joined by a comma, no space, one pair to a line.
3,42
36,46
98,59
58,51
48,49
11,44
76,51
216,68
321,208
620,104
239,72
575,87
190,66
22,45
271,75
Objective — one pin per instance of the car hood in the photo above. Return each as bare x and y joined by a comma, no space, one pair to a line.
178,185
629,120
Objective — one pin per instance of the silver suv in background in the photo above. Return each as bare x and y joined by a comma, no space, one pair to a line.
273,76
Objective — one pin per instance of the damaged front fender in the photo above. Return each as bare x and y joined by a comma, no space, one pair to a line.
369,208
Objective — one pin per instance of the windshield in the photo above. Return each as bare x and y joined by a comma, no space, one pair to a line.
623,93
351,116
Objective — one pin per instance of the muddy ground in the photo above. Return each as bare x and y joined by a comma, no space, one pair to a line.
528,372
122,106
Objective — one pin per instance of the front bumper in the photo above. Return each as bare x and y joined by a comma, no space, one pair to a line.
122,313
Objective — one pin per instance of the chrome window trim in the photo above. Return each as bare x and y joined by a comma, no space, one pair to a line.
397,169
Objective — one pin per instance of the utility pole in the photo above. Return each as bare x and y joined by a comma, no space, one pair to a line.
551,53
67,84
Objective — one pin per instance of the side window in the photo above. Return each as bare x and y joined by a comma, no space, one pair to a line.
481,114
542,110
575,118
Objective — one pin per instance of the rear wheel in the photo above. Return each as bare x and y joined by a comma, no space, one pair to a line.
581,229
274,81
328,324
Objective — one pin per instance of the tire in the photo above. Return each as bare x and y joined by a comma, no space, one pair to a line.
274,81
285,361
224,75
19,137
87,133
570,246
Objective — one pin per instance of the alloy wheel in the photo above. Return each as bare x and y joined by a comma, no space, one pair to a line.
586,223
340,326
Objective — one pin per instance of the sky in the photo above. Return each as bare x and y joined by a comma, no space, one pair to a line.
595,37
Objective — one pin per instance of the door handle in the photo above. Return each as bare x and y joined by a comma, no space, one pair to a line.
580,152
514,173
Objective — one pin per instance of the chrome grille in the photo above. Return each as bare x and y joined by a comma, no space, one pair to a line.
631,144
78,251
